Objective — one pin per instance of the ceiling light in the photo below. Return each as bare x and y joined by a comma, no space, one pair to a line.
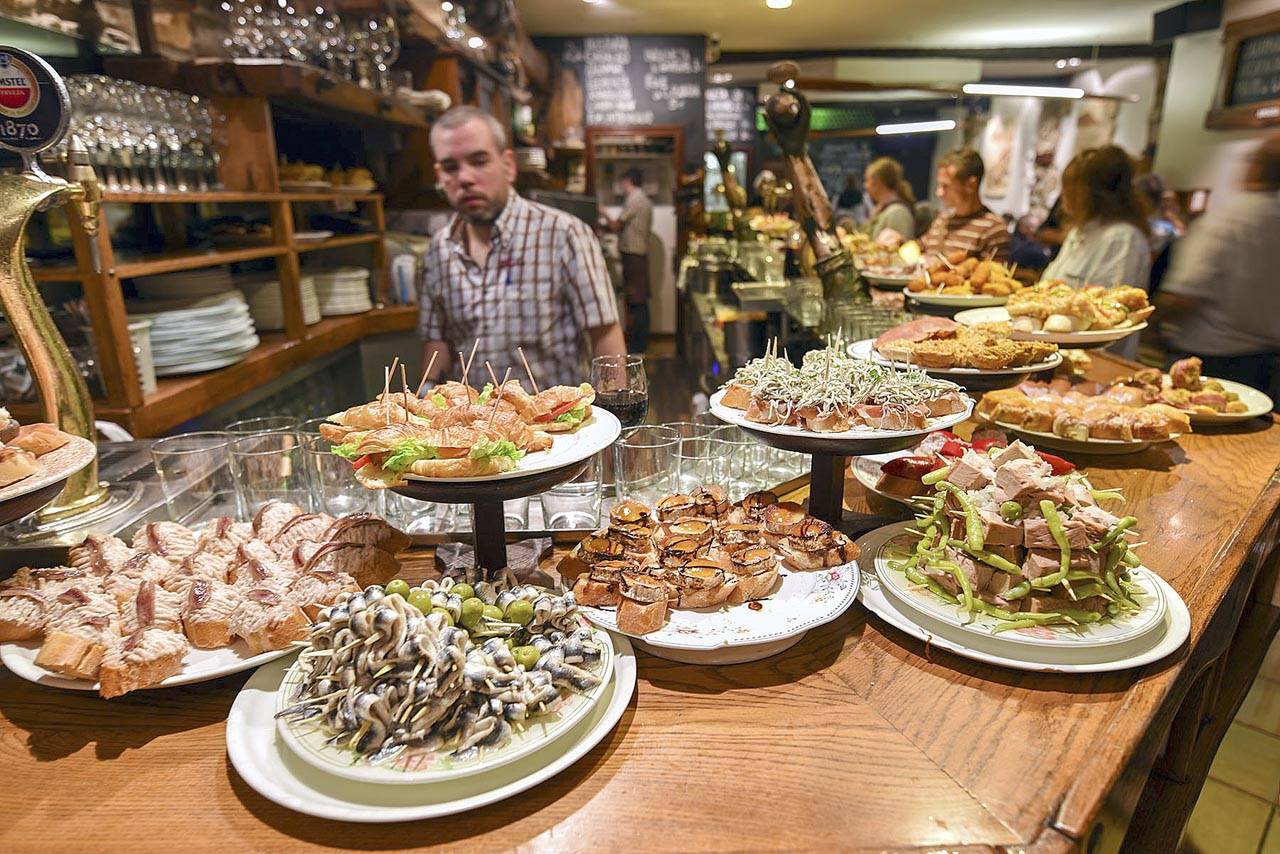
446,6
778,4
721,77
916,127
1074,62
788,83
593,2
1061,63
475,42
1022,91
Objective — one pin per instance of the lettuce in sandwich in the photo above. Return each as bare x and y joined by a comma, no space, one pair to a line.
501,453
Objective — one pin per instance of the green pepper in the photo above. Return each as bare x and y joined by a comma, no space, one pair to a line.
1119,528
936,475
1010,511
972,521
1017,591
988,558
967,591
1064,559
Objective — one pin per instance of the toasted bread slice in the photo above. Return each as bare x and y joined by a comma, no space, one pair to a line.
145,658
71,655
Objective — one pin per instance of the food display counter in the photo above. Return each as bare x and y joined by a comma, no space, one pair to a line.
856,735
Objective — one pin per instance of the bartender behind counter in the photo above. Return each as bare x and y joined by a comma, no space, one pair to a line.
507,271
635,222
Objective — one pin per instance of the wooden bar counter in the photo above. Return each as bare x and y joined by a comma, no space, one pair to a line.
859,737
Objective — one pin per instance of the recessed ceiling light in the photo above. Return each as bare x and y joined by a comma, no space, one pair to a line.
916,127
1074,62
778,4
721,77
1061,63
446,6
789,83
1022,91
475,42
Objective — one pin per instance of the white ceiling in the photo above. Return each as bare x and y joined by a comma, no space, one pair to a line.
853,24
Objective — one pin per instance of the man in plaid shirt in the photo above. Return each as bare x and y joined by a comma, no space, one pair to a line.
507,271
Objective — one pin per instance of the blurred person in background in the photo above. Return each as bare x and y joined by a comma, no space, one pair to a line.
893,220
1220,300
1166,225
966,224
633,226
850,201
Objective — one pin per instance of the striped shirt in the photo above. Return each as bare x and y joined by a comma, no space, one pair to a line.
976,234
543,285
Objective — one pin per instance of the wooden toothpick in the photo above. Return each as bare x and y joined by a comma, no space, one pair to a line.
498,395
404,395
471,358
533,382
430,362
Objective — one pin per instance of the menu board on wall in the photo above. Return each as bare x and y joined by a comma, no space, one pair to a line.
638,80
838,157
1257,74
733,110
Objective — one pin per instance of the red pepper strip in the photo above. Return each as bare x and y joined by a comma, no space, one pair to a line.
361,463
911,468
983,445
953,449
1058,464
951,437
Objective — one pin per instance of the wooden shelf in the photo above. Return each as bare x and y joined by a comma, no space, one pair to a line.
56,274
178,399
194,259
233,197
335,242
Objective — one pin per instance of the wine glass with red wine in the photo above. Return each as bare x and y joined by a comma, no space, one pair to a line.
621,387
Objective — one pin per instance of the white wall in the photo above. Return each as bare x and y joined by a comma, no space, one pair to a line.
1190,156
1136,77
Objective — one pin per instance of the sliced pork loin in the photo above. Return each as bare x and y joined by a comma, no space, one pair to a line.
1028,482
1015,451
1041,603
995,530
972,471
1036,534
1041,562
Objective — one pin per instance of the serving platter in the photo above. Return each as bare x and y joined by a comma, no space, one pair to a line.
938,635
866,470
971,379
858,441
733,634
956,300
271,769
1259,404
1119,630
199,665
596,433
1105,447
1082,340
886,282
309,742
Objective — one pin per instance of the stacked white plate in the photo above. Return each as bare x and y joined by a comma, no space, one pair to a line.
188,284
263,294
193,335
343,290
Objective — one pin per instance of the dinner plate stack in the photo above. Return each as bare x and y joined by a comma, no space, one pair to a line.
193,335
344,290
263,294
188,284
1157,629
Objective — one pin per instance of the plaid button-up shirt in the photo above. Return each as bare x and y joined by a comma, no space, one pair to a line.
542,286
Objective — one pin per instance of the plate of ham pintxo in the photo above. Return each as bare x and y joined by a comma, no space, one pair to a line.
697,579
175,606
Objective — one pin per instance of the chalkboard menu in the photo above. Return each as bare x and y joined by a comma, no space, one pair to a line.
639,80
1257,72
733,110
836,157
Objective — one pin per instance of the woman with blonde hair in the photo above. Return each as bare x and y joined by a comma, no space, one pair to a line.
893,218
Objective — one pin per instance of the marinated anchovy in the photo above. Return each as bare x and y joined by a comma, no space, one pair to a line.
383,679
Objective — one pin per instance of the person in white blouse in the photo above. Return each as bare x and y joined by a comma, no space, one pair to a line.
1109,241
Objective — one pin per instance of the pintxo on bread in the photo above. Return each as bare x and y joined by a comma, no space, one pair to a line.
126,614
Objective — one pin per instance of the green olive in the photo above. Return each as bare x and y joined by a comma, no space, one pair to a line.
1010,510
420,599
527,656
492,612
463,591
399,587
520,612
448,618
472,611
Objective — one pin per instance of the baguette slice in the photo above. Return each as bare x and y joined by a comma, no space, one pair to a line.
145,658
72,655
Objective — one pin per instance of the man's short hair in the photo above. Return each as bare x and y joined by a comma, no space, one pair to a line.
459,116
635,176
967,163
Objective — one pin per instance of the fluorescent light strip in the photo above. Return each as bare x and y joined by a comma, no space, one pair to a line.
916,127
1023,91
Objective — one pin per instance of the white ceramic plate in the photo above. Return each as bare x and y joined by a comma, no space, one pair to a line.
865,349
294,186
739,417
200,665
318,234
308,742
56,465
990,650
198,367
272,770
1115,631
594,435
887,282
736,633
956,300
866,469
1089,337
1259,404
1109,447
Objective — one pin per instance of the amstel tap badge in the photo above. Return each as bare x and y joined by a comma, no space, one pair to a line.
19,92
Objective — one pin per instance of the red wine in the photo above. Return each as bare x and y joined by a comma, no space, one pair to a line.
631,407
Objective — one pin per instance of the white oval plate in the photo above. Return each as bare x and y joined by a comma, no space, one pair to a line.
58,464
887,282
739,417
866,469
1095,337
271,769
939,635
200,367
802,601
956,300
865,349
592,436
1259,404
308,742
199,665
1088,446
1115,631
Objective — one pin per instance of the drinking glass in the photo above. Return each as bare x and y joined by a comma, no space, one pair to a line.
419,517
694,429
575,504
334,488
621,387
647,463
266,424
195,475
745,463
700,462
515,514
270,466
311,427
